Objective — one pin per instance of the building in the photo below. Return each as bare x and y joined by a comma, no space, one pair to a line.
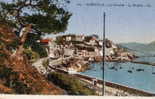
45,43
92,41
100,42
52,48
109,51
68,38
79,38
68,52
98,52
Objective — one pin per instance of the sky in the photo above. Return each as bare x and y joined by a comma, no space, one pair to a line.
123,24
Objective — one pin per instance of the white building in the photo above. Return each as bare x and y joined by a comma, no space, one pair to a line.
68,38
53,50
72,71
68,52
109,51
101,42
98,52
79,38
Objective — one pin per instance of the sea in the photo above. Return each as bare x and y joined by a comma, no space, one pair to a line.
133,75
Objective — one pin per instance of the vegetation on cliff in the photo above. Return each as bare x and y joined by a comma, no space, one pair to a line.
72,85
16,73
18,48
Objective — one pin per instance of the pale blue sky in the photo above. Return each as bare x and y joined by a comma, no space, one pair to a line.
123,24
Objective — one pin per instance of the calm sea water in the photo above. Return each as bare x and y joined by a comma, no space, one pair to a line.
126,74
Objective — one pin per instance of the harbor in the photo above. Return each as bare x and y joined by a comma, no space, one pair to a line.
112,87
123,70
106,87
115,89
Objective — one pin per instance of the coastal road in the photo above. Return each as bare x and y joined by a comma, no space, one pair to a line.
52,62
38,65
89,83
59,61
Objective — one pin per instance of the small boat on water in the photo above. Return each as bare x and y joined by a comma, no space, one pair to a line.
153,72
116,69
112,67
130,71
139,69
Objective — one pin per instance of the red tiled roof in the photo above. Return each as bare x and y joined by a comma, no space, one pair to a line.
44,40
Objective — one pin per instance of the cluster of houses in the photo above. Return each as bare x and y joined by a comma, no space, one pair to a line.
115,53
85,48
73,45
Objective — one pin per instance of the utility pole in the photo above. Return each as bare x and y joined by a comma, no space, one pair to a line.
103,50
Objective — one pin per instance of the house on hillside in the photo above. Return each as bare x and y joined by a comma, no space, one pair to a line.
52,48
79,38
100,42
45,43
68,52
91,40
68,38
109,52
98,51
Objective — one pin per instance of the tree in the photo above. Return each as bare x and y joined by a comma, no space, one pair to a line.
48,16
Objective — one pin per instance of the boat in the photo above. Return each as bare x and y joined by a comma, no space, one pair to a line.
130,71
153,72
139,69
112,67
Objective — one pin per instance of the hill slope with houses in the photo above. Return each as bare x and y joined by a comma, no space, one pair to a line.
75,52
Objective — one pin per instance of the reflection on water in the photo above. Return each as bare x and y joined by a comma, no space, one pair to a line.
138,76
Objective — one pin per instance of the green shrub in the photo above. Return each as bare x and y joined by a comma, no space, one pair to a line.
12,81
45,63
39,49
72,85
32,56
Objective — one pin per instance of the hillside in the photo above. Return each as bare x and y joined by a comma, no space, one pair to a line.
16,73
152,45
140,47
134,46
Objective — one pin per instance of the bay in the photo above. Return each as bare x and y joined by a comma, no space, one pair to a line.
138,76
